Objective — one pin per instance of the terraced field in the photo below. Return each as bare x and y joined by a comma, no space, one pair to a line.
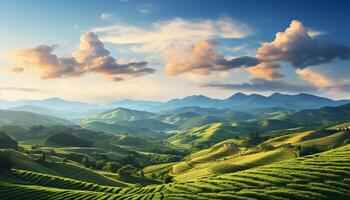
319,176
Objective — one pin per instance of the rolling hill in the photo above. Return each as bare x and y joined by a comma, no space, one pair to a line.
22,118
66,140
7,142
319,116
118,129
320,176
117,115
150,124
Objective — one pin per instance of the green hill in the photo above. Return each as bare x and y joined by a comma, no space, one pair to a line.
319,116
150,124
7,142
208,135
119,129
200,121
22,118
321,176
176,119
117,115
68,140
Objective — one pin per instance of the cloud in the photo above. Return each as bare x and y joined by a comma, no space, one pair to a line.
267,71
90,56
145,8
202,58
314,33
297,47
314,77
261,85
42,59
22,89
106,16
176,32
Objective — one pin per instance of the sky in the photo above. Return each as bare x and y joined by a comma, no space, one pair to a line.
105,50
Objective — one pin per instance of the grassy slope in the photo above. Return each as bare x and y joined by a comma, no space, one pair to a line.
321,139
25,162
321,176
23,118
207,134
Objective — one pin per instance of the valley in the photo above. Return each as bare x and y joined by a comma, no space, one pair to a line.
173,154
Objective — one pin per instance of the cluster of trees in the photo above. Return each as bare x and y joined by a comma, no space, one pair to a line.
6,163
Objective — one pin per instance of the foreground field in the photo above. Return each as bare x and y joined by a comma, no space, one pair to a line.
319,176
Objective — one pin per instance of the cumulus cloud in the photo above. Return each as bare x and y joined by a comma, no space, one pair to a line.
297,47
267,71
314,77
172,33
261,85
202,58
90,56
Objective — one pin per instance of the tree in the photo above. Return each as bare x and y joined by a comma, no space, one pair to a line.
126,170
85,162
43,156
347,141
6,163
266,147
167,179
112,166
142,174
100,164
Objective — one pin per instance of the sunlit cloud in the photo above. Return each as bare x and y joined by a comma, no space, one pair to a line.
90,57
176,32
202,58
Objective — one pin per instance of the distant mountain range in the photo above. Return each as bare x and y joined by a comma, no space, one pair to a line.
237,102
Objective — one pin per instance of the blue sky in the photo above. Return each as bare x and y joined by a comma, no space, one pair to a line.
159,46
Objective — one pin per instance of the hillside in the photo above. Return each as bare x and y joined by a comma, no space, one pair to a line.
318,116
22,118
300,178
207,135
150,124
118,129
117,115
7,142
67,140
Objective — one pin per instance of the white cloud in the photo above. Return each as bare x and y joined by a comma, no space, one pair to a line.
177,32
145,8
315,33
106,16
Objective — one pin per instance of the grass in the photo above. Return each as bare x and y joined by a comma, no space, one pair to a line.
304,178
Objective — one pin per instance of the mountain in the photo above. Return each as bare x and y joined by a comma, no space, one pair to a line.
133,104
240,101
38,110
51,103
319,116
237,102
195,100
117,115
22,118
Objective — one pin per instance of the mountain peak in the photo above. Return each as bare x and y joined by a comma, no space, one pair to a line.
238,95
